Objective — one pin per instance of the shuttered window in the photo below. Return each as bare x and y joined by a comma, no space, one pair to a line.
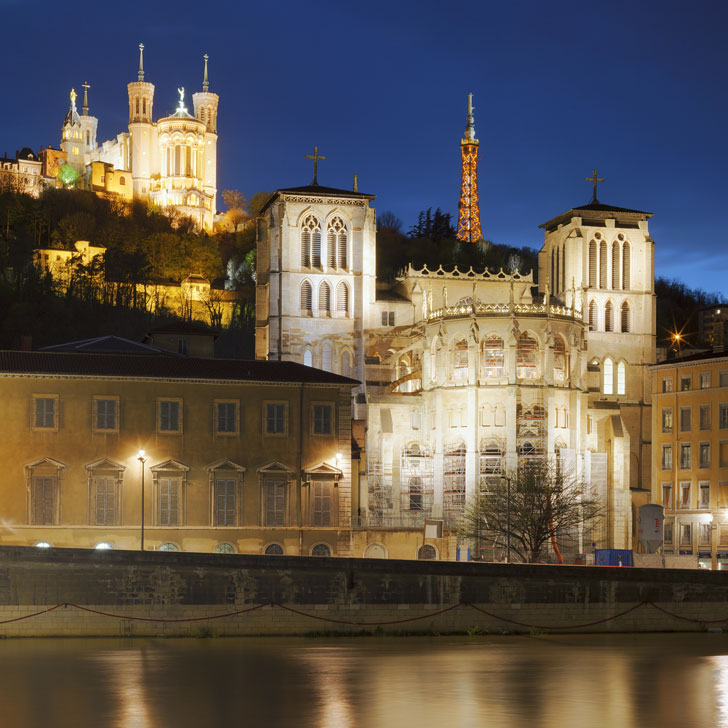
225,502
168,494
321,492
625,317
626,266
44,501
609,317
306,297
593,264
324,299
105,501
274,503
615,265
342,299
603,265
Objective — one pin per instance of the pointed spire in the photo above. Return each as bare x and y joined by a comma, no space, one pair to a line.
205,82
470,120
356,182
86,87
140,74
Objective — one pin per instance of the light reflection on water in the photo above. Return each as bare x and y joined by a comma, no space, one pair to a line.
624,681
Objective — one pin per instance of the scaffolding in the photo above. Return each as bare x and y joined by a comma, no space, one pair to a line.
531,428
453,470
416,481
381,503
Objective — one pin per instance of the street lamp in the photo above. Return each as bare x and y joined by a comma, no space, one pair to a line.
142,459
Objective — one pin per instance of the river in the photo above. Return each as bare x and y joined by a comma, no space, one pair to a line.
569,681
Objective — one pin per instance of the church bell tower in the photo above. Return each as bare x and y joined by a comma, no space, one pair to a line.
141,100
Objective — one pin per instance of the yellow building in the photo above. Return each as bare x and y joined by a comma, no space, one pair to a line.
690,455
239,456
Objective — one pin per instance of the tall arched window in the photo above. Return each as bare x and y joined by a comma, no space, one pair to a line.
324,299
306,298
327,357
608,373
308,358
609,317
311,242
593,264
558,272
603,265
563,269
336,239
615,265
625,317
493,358
560,367
526,357
342,299
460,360
552,282
346,364
592,315
621,377
626,266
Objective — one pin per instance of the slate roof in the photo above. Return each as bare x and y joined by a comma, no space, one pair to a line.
600,210
105,345
163,366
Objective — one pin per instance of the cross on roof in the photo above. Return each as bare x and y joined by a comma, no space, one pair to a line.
594,179
315,156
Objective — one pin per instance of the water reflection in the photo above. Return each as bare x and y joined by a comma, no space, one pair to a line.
510,682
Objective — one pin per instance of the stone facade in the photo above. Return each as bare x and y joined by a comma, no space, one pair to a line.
464,374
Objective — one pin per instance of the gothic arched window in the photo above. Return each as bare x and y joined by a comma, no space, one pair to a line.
342,298
615,265
324,299
460,360
560,368
563,269
626,266
327,357
557,277
493,358
603,265
608,373
621,377
593,264
625,317
609,317
306,298
336,243
308,358
526,357
346,364
311,242
593,316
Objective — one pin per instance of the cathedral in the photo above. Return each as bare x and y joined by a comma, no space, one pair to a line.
466,373
171,162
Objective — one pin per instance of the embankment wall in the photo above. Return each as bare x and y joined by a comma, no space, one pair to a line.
75,592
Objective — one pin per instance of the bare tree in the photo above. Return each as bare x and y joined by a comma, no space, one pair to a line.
236,203
528,506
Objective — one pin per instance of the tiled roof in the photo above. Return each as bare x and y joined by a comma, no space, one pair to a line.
105,345
702,356
167,366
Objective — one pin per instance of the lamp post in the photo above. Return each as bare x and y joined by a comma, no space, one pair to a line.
142,459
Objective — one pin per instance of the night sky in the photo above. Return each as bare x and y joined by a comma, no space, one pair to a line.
635,89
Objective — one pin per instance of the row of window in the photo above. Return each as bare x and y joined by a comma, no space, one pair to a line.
614,379
335,252
226,496
705,381
611,268
608,322
324,299
686,416
685,495
687,532
686,456
226,416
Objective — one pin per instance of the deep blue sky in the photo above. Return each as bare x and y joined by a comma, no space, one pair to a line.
635,89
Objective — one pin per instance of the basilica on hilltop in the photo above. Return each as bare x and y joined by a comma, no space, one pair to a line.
465,373
171,162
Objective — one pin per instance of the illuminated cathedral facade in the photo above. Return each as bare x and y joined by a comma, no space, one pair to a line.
464,374
170,162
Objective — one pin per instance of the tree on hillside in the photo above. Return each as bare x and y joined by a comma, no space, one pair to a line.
388,221
433,225
236,203
535,503
256,203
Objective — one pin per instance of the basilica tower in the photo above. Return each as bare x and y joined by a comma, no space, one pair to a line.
72,142
141,130
205,106
89,124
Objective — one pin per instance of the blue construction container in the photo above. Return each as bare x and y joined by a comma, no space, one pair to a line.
613,557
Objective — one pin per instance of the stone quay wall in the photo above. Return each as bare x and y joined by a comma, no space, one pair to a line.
75,592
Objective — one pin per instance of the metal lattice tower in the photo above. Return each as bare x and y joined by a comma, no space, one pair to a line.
469,208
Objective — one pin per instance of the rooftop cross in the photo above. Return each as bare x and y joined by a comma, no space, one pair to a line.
594,179
140,73
86,87
315,156
205,82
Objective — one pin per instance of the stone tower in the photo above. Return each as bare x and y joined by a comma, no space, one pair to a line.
143,146
72,137
205,106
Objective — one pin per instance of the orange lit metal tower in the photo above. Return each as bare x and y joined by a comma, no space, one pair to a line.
469,209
